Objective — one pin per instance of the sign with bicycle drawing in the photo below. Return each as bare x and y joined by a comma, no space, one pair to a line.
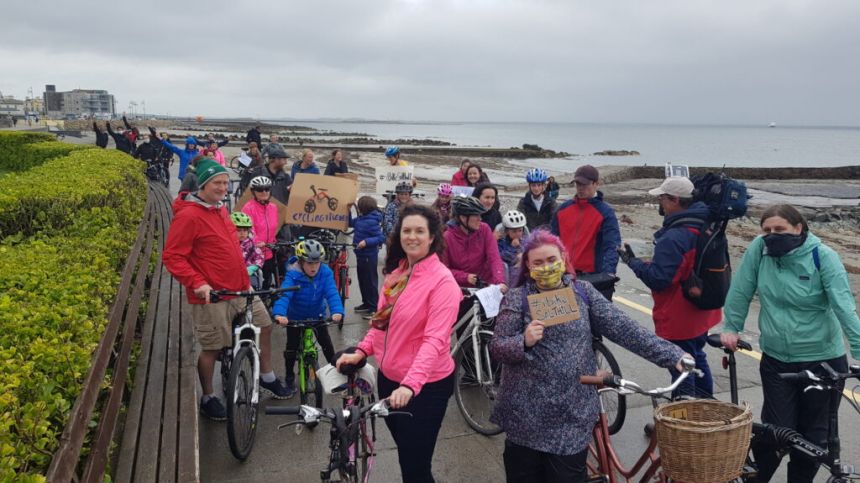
554,307
321,201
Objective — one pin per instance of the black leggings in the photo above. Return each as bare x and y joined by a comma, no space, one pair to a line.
526,465
294,338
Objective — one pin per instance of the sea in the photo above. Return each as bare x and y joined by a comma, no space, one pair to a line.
692,145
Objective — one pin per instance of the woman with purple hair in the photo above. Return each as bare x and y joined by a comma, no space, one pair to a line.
542,366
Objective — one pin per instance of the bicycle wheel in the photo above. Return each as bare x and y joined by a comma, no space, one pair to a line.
475,398
241,404
312,395
614,403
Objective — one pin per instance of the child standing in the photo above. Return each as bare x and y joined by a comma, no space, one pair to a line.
402,197
316,289
250,252
510,245
367,239
442,204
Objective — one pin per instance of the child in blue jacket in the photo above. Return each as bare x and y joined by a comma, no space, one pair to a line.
316,282
367,239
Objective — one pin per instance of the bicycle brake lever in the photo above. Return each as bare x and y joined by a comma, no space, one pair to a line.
291,423
817,387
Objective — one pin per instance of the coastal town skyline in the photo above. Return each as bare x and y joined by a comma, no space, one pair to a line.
675,63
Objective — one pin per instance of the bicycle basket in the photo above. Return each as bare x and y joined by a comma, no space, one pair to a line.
702,440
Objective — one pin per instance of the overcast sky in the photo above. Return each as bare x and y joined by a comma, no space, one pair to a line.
682,61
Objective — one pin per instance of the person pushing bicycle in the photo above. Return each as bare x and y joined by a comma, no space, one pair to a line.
317,288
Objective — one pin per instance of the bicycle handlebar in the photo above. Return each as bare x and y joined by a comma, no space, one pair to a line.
828,380
309,323
312,415
215,295
619,384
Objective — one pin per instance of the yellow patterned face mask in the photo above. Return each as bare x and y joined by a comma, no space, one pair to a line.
548,276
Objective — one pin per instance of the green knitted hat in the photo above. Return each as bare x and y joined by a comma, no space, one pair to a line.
208,169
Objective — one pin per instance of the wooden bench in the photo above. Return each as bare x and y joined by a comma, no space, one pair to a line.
159,437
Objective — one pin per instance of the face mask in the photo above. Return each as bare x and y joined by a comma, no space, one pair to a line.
548,276
778,244
661,211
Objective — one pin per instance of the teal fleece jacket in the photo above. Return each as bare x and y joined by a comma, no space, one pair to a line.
804,310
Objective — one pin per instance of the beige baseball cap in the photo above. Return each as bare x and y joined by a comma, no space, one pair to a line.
674,186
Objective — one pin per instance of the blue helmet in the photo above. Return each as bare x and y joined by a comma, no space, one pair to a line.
536,175
392,151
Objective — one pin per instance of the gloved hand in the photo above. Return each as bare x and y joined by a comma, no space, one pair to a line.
626,254
252,269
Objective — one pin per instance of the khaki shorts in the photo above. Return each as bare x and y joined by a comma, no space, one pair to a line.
213,322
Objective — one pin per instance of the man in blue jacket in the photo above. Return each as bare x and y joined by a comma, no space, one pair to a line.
316,288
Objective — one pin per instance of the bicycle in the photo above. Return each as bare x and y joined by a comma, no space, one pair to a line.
348,428
310,390
602,462
786,439
240,373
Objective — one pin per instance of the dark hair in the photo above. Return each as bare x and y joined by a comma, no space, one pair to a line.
465,161
481,187
334,153
481,179
366,204
434,226
787,213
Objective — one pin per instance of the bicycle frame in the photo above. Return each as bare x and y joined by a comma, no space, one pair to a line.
239,342
308,352
473,331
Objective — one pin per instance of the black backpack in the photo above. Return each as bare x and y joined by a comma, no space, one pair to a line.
708,283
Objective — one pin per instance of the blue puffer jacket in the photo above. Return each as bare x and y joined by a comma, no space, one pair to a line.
310,300
185,155
369,229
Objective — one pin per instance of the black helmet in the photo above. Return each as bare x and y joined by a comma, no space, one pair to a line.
466,206
403,187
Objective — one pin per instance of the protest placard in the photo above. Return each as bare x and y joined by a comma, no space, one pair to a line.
677,170
387,177
248,194
462,190
554,307
321,201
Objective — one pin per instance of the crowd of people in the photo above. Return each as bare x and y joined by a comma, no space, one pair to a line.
433,250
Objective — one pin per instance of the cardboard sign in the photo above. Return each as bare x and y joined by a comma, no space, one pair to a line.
555,307
352,176
387,177
677,170
248,194
321,201
462,190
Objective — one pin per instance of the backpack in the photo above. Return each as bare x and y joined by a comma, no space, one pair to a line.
726,197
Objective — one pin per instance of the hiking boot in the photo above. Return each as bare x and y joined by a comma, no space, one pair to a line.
213,409
276,389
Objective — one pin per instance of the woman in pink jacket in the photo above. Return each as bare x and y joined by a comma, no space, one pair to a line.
267,223
411,337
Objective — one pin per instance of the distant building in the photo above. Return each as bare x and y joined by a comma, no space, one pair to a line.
78,102
9,106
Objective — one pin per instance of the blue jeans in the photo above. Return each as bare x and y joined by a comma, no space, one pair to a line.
700,387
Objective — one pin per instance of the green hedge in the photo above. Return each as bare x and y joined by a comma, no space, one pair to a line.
58,277
20,151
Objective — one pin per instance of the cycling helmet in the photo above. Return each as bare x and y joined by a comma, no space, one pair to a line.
310,251
403,187
536,175
514,219
444,189
392,151
259,182
241,220
466,206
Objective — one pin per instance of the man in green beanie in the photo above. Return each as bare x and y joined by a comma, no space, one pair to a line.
202,252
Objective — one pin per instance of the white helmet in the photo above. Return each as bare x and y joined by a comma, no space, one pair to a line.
333,382
261,182
514,219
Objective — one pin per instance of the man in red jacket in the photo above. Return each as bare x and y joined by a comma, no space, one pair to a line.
202,252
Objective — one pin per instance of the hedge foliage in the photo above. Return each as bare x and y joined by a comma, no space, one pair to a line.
59,270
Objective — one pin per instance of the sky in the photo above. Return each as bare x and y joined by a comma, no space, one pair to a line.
621,61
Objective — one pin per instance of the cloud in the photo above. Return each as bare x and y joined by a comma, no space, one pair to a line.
673,61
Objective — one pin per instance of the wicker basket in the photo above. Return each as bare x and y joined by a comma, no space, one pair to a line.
703,441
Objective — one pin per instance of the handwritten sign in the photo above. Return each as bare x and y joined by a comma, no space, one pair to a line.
462,190
555,307
387,177
322,201
248,194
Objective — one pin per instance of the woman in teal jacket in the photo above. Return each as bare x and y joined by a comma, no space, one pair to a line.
806,307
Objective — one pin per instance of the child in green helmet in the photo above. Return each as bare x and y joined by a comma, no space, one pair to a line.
252,254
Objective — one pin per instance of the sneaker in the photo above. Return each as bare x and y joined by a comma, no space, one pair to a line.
277,390
367,316
363,308
213,409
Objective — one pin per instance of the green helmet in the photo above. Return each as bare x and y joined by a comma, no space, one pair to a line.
241,220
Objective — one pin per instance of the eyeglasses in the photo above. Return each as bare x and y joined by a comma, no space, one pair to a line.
259,190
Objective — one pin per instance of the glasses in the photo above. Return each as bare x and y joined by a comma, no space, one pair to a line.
261,190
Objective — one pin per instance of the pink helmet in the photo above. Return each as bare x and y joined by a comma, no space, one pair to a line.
444,189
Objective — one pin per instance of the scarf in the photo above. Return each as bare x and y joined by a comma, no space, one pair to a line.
393,286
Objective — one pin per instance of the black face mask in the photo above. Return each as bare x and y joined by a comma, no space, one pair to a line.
778,244
661,211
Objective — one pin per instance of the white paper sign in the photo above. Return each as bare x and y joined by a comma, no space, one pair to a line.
244,159
677,170
491,299
462,190
387,177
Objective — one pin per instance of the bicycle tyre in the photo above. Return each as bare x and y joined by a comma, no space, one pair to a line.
614,403
469,393
312,395
241,409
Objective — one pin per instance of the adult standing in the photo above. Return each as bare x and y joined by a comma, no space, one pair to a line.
213,146
273,145
185,154
392,154
254,136
589,229
411,335
336,164
475,175
203,253
101,136
305,165
676,319
807,307
488,195
552,188
542,366
459,178
471,250
274,170
536,204
121,140
267,224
